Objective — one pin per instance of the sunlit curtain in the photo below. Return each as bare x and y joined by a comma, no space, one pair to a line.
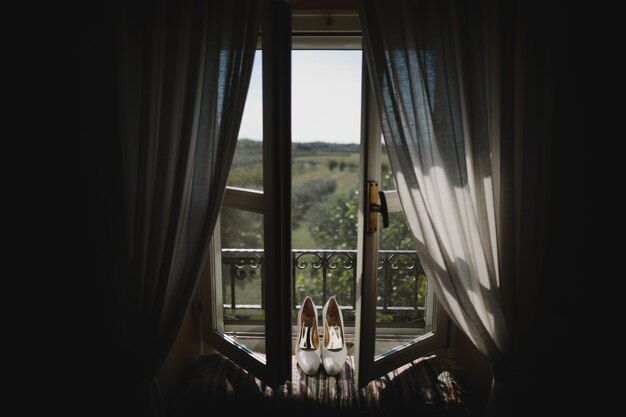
462,91
166,87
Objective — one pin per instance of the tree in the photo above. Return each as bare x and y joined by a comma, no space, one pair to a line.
308,194
336,222
336,228
240,229
336,225
246,170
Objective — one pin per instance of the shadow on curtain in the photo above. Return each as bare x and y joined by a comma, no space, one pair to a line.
165,86
466,94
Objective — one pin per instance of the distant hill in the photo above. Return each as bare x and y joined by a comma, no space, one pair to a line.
249,152
324,147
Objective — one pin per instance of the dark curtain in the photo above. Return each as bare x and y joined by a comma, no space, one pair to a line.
471,99
164,85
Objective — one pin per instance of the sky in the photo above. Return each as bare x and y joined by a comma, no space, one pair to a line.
325,102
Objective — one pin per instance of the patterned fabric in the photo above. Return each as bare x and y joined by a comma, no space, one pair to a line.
428,386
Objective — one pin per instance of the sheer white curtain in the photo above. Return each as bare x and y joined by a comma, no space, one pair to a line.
465,115
433,104
166,86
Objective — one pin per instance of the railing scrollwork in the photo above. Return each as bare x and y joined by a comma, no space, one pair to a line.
327,271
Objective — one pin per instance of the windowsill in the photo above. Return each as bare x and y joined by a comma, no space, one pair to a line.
256,341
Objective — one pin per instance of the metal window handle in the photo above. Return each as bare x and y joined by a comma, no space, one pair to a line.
377,204
383,209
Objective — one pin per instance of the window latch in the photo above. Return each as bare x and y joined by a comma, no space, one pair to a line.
377,204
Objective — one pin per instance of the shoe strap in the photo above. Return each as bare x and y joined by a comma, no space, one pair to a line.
307,339
334,338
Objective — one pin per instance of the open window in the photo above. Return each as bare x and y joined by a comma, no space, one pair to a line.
246,289
293,221
407,321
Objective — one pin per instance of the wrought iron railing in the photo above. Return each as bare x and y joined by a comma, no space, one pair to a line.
401,283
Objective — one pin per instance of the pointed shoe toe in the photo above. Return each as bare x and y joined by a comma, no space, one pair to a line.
309,362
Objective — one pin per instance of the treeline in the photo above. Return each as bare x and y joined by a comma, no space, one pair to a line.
251,151
324,147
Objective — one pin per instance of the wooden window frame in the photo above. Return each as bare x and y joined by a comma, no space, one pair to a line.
274,202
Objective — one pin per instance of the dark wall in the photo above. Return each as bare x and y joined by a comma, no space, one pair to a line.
476,371
557,346
560,333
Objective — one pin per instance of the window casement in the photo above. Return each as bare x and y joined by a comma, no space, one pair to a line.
255,278
379,349
271,206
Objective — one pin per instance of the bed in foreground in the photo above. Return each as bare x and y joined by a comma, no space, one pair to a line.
428,386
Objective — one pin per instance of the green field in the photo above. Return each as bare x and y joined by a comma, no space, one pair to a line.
324,216
321,172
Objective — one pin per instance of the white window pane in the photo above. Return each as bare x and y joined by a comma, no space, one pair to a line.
247,168
241,235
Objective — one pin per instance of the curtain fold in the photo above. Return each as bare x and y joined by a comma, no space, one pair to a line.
464,94
167,84
432,102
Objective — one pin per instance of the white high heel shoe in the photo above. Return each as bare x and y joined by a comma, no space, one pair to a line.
334,349
308,343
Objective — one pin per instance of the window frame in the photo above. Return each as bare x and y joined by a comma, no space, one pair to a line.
436,340
275,367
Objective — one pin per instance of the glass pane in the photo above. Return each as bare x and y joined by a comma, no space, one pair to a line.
241,234
330,272
387,182
326,106
401,283
247,168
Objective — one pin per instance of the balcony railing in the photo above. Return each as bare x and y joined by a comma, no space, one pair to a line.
401,283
